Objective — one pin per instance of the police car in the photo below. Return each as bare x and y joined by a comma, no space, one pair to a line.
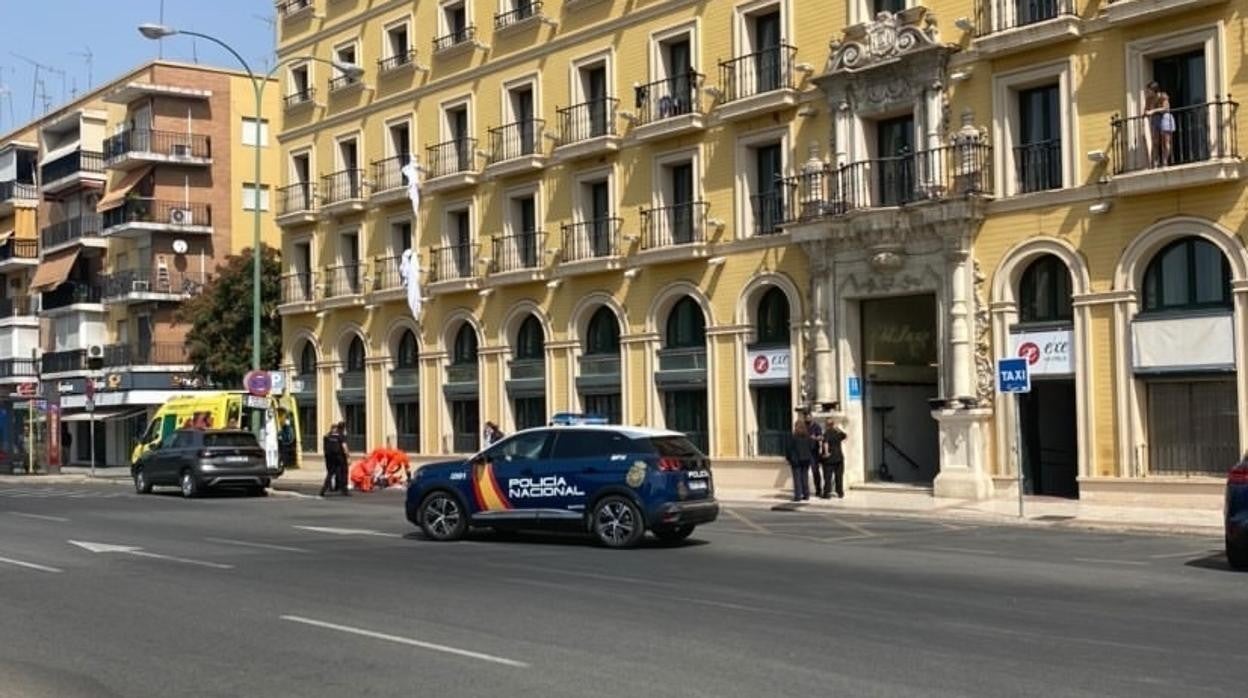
613,481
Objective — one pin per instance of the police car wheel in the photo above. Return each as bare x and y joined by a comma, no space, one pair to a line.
441,517
618,523
141,484
673,534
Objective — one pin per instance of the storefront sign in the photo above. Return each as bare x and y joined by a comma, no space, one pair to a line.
769,365
1048,352
1184,344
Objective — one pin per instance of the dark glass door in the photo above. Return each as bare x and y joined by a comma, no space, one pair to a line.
773,407
524,117
600,210
681,213
465,426
459,135
685,411
529,412
596,90
768,211
767,59
1182,77
1038,156
527,242
679,99
463,253
894,147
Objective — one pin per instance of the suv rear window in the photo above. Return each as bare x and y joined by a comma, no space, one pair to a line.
231,440
673,446
589,443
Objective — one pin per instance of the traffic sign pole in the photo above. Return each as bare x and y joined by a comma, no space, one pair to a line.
1014,376
1018,448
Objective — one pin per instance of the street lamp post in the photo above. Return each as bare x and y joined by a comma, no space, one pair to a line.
159,31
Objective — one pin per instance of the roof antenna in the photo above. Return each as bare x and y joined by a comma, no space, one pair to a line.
88,58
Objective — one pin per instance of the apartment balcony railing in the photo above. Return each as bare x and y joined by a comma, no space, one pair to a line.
466,372
71,293
171,144
62,232
683,359
352,379
1202,132
63,361
142,282
523,9
343,280
452,157
516,140
388,173
21,306
592,119
172,213
947,172
527,369
593,239
71,164
768,208
668,98
17,368
668,226
299,96
387,273
519,252
757,73
455,38
1002,15
292,7
1038,166
343,81
296,198
299,287
454,262
18,191
15,248
398,60
405,377
600,364
149,354
344,185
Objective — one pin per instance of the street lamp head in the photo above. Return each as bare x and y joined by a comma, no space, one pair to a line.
351,70
156,31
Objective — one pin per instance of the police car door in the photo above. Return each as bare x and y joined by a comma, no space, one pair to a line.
501,477
579,464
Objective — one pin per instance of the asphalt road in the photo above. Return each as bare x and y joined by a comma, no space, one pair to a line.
286,596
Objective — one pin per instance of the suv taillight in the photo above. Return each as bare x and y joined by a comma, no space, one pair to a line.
667,464
1238,475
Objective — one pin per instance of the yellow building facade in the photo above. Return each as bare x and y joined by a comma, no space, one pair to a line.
707,215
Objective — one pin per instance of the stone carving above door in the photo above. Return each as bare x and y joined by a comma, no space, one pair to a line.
886,38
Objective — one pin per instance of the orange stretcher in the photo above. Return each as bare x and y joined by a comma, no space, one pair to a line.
382,467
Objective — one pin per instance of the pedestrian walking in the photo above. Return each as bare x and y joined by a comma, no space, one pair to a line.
286,439
832,461
492,434
334,446
800,452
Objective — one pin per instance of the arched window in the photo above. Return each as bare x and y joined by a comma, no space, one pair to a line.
1044,291
772,324
465,350
307,360
407,356
355,355
603,333
1188,274
686,327
530,340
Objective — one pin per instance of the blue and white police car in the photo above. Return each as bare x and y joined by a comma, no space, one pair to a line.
613,481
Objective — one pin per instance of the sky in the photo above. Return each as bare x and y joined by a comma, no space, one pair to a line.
58,33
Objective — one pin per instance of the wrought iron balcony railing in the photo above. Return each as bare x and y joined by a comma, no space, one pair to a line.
453,262
455,38
388,173
299,96
757,73
150,354
87,225
592,239
516,140
344,185
1201,132
143,281
521,10
452,157
71,293
173,144
72,163
1038,166
398,60
143,210
299,197
18,191
299,287
668,226
343,280
591,119
520,251
669,97
17,248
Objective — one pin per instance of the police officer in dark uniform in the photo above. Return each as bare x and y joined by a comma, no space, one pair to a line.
334,447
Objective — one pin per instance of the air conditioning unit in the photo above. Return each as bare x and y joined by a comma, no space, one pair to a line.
181,216
139,286
95,351
181,150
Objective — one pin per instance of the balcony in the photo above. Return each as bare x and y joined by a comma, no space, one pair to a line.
291,9
1122,12
404,378
63,361
454,265
521,256
588,129
674,233
299,292
15,194
72,230
524,13
17,253
150,354
1038,166
516,148
343,282
600,365
351,380
20,310
400,62
345,82
137,147
302,97
17,368
1202,150
73,293
457,41
72,170
138,216
940,174
343,192
387,281
758,83
452,164
388,183
683,359
462,373
668,108
296,203
151,285
1008,26
591,245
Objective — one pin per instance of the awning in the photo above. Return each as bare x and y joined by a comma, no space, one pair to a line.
116,195
101,415
5,235
53,270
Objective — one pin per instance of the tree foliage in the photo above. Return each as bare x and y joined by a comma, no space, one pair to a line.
219,340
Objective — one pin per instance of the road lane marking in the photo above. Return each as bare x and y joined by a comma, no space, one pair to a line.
139,552
41,517
1188,553
349,531
408,641
969,551
1100,561
853,527
29,565
757,528
264,546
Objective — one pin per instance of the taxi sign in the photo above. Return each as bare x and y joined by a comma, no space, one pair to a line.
1013,376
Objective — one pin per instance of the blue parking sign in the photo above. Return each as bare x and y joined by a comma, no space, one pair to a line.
1013,376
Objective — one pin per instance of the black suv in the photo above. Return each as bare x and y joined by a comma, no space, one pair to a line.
195,460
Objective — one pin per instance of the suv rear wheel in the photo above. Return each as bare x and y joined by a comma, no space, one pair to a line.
441,517
673,534
141,483
617,522
188,484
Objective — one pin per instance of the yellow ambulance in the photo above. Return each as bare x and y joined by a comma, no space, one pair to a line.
226,410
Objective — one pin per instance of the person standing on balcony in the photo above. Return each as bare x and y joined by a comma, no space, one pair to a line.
1160,122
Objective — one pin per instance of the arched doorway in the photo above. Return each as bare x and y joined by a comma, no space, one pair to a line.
462,391
598,381
304,389
1184,356
527,384
351,397
769,371
681,377
1044,335
405,392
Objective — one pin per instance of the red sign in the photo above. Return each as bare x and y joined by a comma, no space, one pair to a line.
761,364
1029,351
257,383
27,389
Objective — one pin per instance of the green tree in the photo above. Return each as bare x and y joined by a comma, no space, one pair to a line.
219,340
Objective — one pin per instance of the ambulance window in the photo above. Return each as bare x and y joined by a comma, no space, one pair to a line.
231,415
167,425
153,429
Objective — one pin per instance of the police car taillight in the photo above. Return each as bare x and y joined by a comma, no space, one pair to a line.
669,464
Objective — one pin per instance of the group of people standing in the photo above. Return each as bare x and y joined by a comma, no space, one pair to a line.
817,450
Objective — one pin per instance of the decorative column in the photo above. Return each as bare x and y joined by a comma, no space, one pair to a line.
433,435
376,400
823,302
